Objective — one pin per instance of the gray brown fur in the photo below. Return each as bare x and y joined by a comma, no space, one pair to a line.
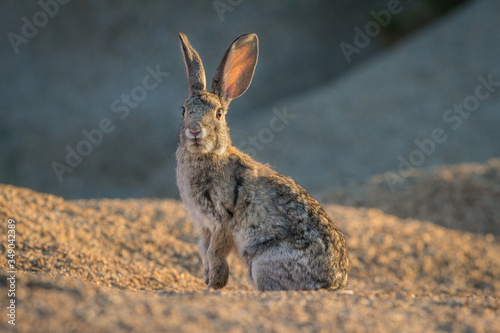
286,239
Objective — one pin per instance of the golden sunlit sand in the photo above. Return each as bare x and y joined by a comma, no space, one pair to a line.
132,265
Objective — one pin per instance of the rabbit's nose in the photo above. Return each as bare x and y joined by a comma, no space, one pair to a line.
195,133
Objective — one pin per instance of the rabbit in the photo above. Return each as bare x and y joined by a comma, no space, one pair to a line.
279,231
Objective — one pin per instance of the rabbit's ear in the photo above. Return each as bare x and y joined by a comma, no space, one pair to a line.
194,66
235,71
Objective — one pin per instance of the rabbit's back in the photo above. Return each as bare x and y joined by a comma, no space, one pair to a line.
277,220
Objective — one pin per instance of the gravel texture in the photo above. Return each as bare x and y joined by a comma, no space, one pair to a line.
132,266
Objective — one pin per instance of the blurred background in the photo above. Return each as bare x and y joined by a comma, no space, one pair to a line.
91,91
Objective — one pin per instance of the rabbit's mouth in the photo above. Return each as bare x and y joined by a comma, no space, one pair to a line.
196,140
197,145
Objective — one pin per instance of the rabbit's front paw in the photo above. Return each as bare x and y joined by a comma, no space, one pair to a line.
218,276
206,275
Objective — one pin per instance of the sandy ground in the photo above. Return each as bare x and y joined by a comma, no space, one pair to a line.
133,266
462,196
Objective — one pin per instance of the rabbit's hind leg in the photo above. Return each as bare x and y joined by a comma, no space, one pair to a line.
283,268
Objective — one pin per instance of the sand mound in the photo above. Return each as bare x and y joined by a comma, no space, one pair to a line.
463,196
132,265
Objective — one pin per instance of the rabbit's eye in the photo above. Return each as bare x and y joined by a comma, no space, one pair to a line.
218,114
183,112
